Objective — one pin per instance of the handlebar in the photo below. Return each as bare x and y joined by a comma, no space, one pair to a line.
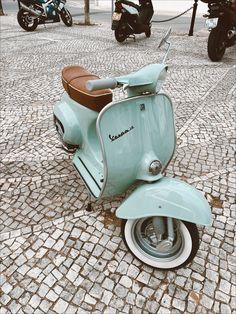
101,84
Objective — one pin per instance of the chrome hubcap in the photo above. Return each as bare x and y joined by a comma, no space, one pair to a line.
146,239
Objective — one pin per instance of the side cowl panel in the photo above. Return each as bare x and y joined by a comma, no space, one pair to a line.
65,112
167,197
75,119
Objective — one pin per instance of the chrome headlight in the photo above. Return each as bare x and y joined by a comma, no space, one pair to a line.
161,80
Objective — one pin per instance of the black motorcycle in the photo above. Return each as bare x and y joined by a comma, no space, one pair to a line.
221,23
129,19
34,12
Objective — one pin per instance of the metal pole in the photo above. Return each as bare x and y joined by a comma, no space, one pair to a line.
112,7
193,18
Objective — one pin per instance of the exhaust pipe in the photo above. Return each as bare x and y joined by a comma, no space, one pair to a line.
231,33
34,12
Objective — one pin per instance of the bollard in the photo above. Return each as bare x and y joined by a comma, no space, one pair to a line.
193,18
112,7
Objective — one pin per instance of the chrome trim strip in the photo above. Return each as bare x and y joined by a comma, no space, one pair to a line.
174,126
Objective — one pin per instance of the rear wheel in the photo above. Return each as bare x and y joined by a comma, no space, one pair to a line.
66,17
148,32
141,239
26,20
216,44
119,35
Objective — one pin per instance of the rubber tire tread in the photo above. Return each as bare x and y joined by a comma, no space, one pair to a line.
122,39
213,42
64,19
148,33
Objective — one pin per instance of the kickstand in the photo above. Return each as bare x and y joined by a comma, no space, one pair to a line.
89,207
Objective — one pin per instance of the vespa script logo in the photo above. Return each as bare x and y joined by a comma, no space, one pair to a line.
115,137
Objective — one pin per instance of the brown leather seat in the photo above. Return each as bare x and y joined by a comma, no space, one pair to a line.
74,80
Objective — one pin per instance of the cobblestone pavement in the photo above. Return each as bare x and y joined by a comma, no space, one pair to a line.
58,258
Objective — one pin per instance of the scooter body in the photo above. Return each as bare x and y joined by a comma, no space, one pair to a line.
129,143
125,137
130,19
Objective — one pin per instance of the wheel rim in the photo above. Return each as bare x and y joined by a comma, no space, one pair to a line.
145,237
120,36
67,16
140,238
27,19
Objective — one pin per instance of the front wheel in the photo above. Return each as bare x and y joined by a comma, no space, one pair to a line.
119,35
26,20
216,44
66,17
142,240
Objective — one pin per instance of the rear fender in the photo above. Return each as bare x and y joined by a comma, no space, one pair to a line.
167,197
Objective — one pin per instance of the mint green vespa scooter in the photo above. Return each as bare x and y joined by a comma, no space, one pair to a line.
126,143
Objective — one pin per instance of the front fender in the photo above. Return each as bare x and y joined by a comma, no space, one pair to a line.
167,197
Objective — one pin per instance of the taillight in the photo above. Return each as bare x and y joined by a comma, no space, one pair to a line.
118,6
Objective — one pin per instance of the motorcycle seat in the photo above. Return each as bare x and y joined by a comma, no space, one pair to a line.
74,80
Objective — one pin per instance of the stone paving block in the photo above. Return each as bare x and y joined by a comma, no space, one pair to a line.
60,306
4,299
16,292
108,284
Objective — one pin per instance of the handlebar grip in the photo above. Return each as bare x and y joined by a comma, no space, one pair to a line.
101,84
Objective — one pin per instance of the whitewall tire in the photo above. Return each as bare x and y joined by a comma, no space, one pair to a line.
138,235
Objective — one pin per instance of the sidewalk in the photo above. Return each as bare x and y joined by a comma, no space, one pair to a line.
58,258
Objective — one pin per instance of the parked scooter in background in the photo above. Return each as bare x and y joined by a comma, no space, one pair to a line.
130,19
117,144
34,12
221,23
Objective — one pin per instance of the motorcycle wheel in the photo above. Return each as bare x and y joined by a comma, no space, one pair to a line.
66,17
148,32
119,35
26,21
216,44
140,238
